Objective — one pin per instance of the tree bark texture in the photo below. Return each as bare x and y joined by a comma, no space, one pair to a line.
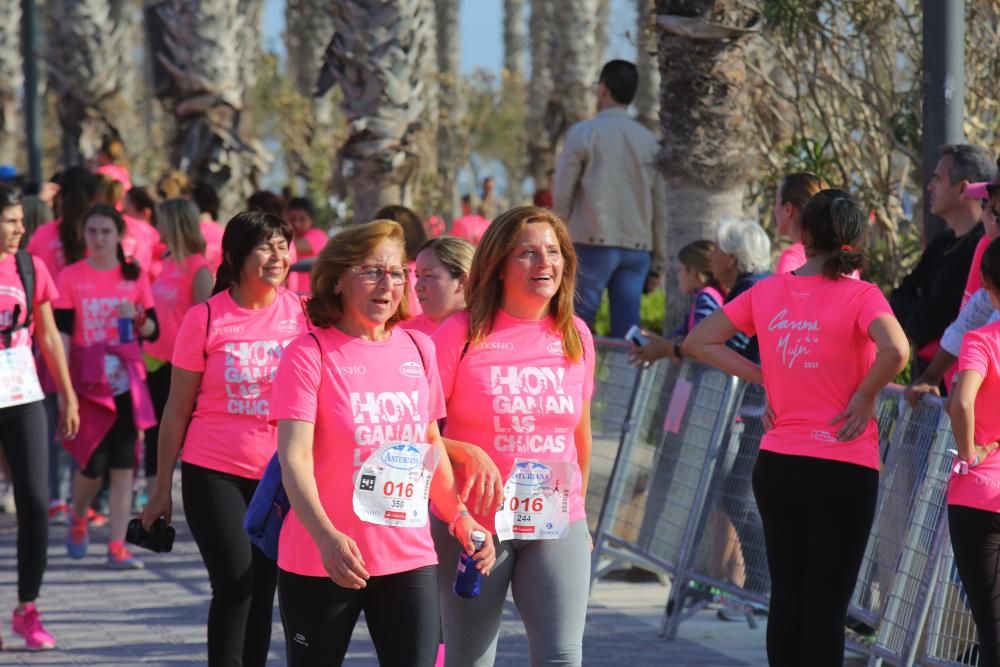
199,49
378,55
11,77
541,146
85,42
647,98
515,38
450,142
705,121
575,66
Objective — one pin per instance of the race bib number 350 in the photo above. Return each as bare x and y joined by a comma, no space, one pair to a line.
536,501
394,483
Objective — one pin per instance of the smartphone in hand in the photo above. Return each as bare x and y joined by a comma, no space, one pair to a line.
634,336
160,537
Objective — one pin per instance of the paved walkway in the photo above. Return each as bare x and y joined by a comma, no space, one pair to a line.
157,617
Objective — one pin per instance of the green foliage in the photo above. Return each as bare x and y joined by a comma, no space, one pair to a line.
652,310
494,119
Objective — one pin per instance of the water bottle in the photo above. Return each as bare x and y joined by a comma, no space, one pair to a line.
126,330
469,579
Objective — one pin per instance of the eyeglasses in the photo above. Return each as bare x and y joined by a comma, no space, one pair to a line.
373,275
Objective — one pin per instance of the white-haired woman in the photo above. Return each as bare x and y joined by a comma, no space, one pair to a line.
741,259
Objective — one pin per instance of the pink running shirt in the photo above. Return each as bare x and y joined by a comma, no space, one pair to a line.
975,279
815,350
238,359
300,281
12,294
421,323
139,240
516,394
470,227
793,257
46,245
980,489
358,394
172,294
212,233
93,296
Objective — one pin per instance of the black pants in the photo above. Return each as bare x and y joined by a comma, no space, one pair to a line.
817,516
116,451
159,389
401,611
975,539
242,577
24,438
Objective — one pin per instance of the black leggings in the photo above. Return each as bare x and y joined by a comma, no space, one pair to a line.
242,577
817,515
24,438
401,611
116,451
975,539
159,389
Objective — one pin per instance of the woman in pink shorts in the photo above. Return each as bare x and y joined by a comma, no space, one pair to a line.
517,369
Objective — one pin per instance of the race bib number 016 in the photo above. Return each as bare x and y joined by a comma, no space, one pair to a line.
393,484
536,501
18,378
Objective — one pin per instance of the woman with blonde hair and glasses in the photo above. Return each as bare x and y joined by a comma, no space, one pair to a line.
517,369
356,402
442,270
184,280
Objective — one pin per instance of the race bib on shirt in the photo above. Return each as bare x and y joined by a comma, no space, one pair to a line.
536,501
18,377
394,483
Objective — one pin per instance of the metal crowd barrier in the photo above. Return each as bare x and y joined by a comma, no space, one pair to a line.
670,490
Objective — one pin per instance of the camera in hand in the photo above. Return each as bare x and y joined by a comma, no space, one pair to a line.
159,538
634,336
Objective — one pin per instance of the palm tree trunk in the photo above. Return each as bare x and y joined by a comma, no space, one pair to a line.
602,22
705,118
514,38
451,143
575,67
541,147
203,52
647,99
378,56
86,40
10,79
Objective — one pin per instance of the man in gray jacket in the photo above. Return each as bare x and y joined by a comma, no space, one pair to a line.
609,190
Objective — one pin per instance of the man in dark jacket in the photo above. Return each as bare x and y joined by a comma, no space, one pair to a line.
928,299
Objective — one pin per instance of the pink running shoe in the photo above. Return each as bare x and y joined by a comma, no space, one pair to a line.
28,624
120,558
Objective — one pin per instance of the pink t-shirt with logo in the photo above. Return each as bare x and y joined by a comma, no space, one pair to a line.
421,323
212,233
238,357
814,350
46,245
12,294
299,280
358,394
980,489
516,394
139,241
94,295
172,294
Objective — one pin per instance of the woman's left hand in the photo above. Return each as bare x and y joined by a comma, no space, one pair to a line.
856,416
69,416
485,557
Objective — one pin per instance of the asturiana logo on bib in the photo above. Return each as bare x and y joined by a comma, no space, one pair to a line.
402,457
555,347
411,369
530,473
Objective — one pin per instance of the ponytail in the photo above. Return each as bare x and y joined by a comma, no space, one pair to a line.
78,188
129,267
843,262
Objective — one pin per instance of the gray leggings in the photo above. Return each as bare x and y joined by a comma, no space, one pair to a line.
550,580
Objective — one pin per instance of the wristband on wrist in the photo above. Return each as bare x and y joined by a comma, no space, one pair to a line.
459,515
